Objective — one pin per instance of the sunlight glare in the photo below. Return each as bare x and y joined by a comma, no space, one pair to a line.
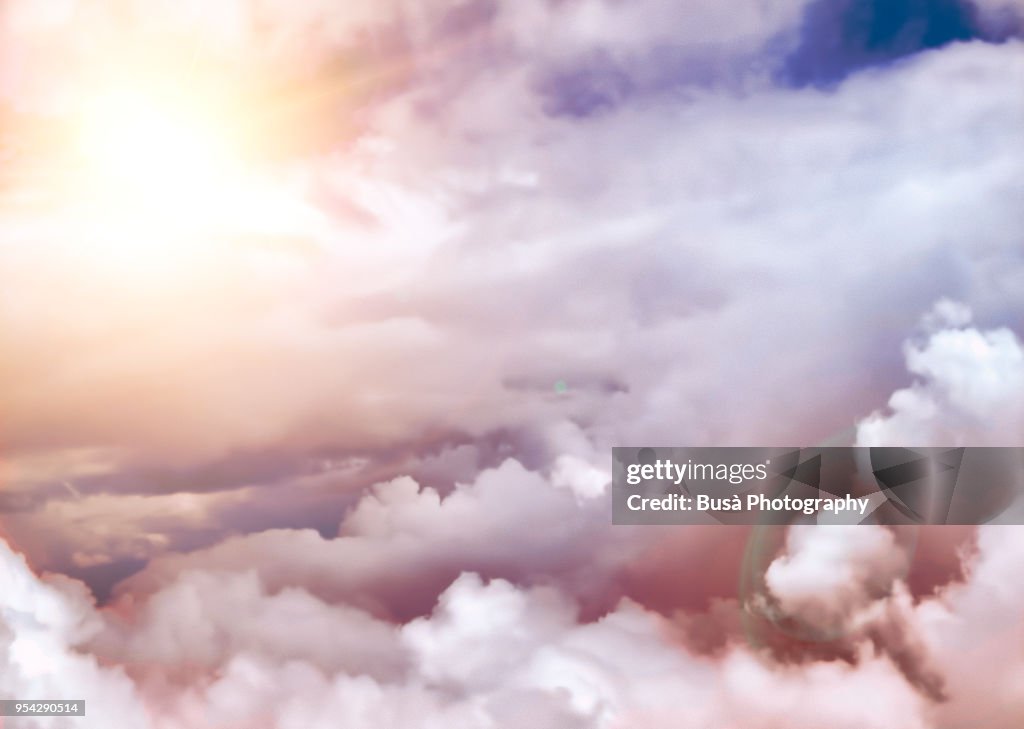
154,156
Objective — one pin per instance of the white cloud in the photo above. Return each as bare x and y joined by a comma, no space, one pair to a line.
974,631
667,280
491,654
214,649
402,544
829,574
970,391
42,626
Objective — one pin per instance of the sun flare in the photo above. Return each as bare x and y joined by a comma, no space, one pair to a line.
156,153
155,170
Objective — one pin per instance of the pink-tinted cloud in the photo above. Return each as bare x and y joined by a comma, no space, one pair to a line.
355,434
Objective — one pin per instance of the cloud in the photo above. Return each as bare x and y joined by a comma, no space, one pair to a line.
973,631
845,586
970,391
198,641
43,624
402,544
237,347
207,651
206,618
489,242
1002,17
828,575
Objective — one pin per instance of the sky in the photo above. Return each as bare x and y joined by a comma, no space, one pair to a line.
318,322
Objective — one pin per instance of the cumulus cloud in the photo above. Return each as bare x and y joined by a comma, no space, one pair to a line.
43,623
845,586
975,630
402,544
207,651
828,575
970,389
197,641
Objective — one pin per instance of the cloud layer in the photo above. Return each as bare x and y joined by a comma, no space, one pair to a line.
207,650
342,458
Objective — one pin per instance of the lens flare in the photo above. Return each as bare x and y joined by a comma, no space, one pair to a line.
154,155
